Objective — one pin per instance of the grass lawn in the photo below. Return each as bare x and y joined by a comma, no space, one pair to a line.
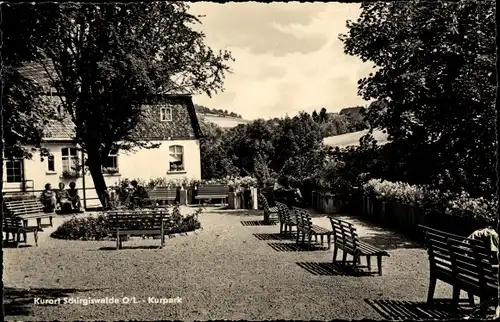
230,270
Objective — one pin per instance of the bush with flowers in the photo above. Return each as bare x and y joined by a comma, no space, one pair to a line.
236,184
96,227
455,204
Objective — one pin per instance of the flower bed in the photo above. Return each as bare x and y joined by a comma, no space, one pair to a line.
96,227
404,207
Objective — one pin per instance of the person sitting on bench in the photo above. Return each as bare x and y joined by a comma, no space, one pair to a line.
489,234
139,195
48,199
63,199
74,198
289,195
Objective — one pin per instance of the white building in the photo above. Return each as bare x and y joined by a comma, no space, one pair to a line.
172,123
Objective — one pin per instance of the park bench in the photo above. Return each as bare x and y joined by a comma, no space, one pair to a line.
287,222
465,264
268,211
212,191
163,195
305,228
27,209
13,225
137,223
345,238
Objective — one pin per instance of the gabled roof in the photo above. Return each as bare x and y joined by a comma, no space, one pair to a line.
149,127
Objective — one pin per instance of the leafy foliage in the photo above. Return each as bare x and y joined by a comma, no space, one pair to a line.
435,85
107,60
97,228
205,110
456,204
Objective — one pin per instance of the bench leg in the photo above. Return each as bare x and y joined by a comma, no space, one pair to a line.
369,263
379,264
35,235
50,219
18,240
455,298
329,239
117,239
281,228
344,257
483,306
355,261
432,288
39,222
335,251
322,242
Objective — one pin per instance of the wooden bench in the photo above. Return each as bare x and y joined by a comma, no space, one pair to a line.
287,222
213,191
13,225
137,223
268,211
465,264
163,194
305,228
345,238
27,209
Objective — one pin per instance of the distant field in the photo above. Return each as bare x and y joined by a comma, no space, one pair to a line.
224,122
352,139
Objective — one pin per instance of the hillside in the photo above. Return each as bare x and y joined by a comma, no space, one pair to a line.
203,110
225,122
352,139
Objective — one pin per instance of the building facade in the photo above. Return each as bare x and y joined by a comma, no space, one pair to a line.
171,123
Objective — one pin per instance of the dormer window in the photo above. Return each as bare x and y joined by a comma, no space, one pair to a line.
165,114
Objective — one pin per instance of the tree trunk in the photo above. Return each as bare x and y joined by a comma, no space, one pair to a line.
99,183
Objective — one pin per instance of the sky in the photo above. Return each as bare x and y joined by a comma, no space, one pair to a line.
287,57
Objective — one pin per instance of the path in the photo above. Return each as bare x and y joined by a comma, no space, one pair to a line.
228,271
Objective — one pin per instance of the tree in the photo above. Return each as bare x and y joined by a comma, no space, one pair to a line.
436,78
215,162
107,60
323,117
315,116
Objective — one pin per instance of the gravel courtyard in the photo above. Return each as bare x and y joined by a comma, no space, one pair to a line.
233,269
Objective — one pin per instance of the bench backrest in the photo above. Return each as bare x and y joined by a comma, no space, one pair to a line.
303,218
24,207
344,233
12,222
263,201
163,193
457,255
283,212
136,220
213,190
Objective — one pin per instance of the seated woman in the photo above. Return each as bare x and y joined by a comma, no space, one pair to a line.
74,198
139,195
63,199
48,199
489,235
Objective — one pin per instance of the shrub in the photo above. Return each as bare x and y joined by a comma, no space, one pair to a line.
430,200
96,227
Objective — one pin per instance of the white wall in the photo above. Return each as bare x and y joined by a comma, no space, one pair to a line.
145,164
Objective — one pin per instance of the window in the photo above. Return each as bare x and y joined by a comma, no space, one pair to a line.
111,162
165,114
69,159
14,169
51,163
176,158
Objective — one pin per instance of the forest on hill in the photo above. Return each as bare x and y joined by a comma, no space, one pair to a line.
213,111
